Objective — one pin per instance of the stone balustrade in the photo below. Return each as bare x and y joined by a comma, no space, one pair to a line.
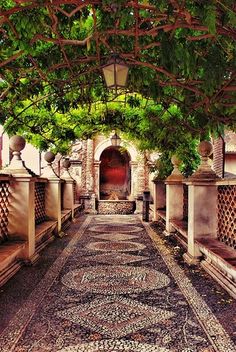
200,214
33,210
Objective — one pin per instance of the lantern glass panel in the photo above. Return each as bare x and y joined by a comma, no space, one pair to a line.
121,75
109,75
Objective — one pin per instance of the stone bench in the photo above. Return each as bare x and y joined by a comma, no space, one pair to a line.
11,259
181,234
44,234
220,262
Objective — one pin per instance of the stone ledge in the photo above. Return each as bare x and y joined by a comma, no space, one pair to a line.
77,209
11,259
161,214
181,226
65,215
220,262
181,234
44,234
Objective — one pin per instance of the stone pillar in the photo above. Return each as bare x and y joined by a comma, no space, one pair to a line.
140,181
21,207
89,203
141,177
174,195
134,180
75,172
97,178
83,168
159,196
68,189
89,167
17,165
202,204
53,192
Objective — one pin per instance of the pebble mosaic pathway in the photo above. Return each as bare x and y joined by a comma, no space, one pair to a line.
115,287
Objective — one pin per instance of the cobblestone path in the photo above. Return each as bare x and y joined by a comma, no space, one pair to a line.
115,287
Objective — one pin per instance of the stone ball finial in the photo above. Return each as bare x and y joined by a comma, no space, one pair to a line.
66,163
17,143
175,160
49,157
205,148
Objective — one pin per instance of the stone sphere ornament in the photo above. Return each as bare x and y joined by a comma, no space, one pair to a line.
204,171
66,163
17,143
49,157
205,148
175,161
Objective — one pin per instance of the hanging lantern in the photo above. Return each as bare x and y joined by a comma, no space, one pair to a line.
115,140
115,72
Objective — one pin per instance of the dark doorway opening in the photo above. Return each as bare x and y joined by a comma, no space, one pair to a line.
115,174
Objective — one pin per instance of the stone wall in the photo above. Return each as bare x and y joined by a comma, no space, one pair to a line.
87,169
116,207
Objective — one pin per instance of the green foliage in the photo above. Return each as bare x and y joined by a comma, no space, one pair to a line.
7,4
174,94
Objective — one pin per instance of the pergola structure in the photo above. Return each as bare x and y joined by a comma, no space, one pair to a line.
180,51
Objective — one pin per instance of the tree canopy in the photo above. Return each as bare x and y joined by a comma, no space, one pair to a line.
181,55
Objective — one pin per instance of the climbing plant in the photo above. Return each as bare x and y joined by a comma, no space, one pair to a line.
181,55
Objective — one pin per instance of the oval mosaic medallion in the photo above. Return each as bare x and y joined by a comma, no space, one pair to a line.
115,280
116,246
111,345
115,228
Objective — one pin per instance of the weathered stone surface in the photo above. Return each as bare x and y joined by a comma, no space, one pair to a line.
116,207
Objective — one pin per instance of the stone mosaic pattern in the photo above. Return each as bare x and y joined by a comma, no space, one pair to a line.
115,317
122,280
121,258
115,237
123,246
215,332
114,346
83,304
103,228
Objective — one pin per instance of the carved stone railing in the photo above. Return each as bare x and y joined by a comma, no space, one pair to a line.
4,207
226,208
40,211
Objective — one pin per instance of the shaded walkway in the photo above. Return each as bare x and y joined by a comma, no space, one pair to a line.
110,289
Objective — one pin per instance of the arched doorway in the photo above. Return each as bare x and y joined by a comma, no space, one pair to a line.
115,174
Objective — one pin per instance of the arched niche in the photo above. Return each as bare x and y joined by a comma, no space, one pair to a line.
115,174
107,143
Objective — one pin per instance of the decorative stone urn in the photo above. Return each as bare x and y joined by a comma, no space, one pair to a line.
176,174
204,171
17,166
